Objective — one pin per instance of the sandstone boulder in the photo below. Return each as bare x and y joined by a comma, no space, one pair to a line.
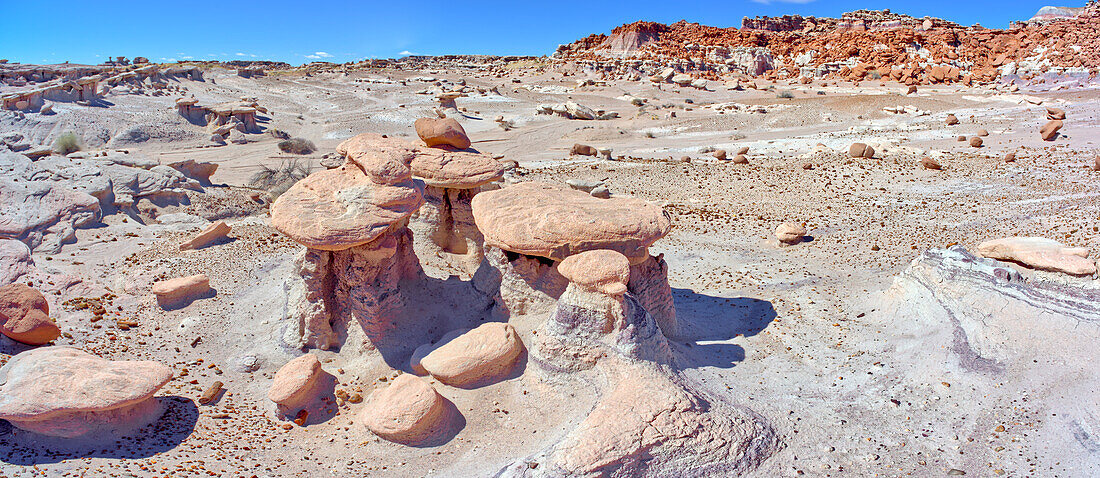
181,290
952,120
930,163
1049,131
442,131
65,392
790,233
215,232
407,411
975,142
25,315
1055,113
295,384
860,150
1040,253
484,354
582,150
601,270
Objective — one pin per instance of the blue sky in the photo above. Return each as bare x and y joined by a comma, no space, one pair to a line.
49,31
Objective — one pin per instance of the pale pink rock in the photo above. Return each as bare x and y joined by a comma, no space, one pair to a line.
790,233
1040,253
336,209
442,131
552,220
181,289
63,391
483,354
295,384
211,234
25,315
600,270
456,169
860,150
422,351
407,411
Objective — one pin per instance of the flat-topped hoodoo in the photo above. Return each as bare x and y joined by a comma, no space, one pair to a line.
352,220
552,222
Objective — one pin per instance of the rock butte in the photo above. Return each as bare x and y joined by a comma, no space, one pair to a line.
65,392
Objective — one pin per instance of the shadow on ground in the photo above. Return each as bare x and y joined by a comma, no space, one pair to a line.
706,319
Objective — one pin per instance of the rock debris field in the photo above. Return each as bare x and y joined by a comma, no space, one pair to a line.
603,262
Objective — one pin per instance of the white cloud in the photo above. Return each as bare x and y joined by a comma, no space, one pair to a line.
406,53
241,54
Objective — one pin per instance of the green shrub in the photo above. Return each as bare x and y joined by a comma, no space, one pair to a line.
277,180
297,146
67,143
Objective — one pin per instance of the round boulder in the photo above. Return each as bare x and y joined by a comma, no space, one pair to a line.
484,354
442,131
294,383
407,411
600,270
860,150
790,233
25,315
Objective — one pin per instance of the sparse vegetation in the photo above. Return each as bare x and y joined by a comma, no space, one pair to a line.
785,95
67,143
649,134
875,75
506,125
297,146
820,93
277,180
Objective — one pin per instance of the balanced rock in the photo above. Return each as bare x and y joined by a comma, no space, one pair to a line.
295,384
65,392
407,411
790,233
1040,253
484,354
442,131
215,232
25,315
181,290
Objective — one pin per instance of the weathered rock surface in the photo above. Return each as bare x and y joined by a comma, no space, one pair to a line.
25,315
407,411
478,357
860,150
65,392
1040,253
